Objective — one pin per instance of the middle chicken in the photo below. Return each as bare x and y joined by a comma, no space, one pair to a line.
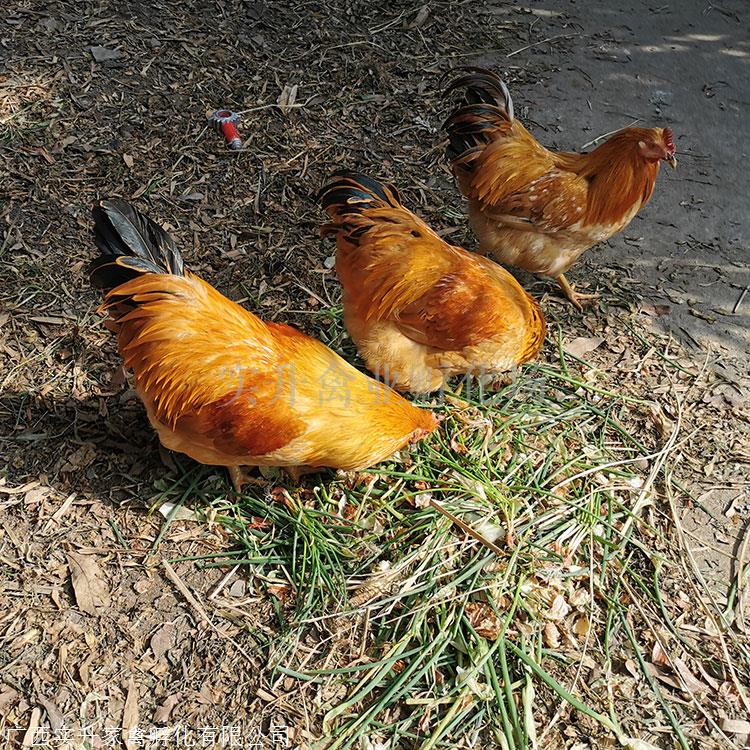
419,309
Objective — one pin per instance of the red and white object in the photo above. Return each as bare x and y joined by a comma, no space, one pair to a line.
225,121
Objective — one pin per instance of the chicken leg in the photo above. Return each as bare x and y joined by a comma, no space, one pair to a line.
576,298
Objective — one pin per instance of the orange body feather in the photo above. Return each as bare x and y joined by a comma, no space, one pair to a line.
227,388
418,309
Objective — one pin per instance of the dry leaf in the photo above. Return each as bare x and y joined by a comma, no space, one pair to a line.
287,98
80,458
282,591
161,640
658,656
128,159
484,620
692,683
421,17
654,671
103,54
7,697
130,717
632,668
180,514
161,715
54,715
707,677
29,737
661,421
559,608
735,726
422,500
92,594
632,743
551,635
582,345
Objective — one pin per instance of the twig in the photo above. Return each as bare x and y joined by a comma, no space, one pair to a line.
543,41
611,132
740,300
465,527
198,607
740,581
223,582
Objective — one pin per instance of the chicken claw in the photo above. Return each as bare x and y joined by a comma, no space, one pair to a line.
240,477
577,299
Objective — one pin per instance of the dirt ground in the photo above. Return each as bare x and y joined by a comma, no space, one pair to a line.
103,615
609,65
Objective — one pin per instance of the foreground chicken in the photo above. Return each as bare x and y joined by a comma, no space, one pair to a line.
221,385
419,309
537,209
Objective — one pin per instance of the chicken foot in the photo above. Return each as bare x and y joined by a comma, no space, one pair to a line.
576,298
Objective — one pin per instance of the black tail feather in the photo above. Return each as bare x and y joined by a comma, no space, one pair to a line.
130,244
486,103
350,192
347,197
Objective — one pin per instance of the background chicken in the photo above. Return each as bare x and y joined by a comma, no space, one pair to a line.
221,385
537,209
418,309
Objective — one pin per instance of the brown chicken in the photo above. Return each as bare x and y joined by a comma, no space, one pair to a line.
418,309
225,387
537,209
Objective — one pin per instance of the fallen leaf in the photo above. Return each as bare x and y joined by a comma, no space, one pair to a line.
130,717
421,17
484,620
632,668
7,697
103,54
29,737
282,591
707,677
287,98
161,715
422,500
181,513
654,671
582,345
128,159
662,423
161,640
558,609
92,594
692,683
80,458
54,715
238,588
632,743
658,656
551,635
735,726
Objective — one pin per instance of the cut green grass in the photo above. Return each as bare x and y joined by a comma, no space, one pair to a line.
508,569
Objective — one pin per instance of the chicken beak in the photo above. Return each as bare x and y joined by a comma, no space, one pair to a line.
672,161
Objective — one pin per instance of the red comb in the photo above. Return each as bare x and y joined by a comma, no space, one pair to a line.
668,140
